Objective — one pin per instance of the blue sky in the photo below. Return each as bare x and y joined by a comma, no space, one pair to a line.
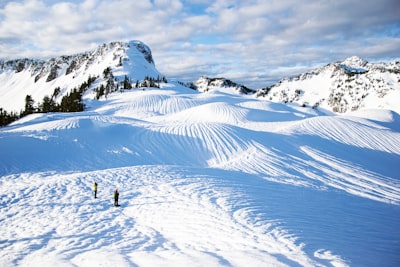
253,42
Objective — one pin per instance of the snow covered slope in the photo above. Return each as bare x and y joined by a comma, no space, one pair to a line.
204,84
342,87
212,178
39,78
207,177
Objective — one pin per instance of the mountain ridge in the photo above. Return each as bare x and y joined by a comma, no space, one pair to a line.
338,87
37,77
341,87
204,84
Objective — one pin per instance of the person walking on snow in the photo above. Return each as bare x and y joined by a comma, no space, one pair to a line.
95,189
116,195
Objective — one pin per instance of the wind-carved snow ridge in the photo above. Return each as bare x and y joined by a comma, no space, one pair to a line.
353,179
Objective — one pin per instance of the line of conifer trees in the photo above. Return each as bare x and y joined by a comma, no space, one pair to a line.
72,102
113,85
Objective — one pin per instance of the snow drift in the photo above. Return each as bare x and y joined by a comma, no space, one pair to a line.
205,178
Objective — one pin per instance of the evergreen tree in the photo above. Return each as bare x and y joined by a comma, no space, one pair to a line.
48,105
72,102
100,92
6,118
127,83
107,72
29,108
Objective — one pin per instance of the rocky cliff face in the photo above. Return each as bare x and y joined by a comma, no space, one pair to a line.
35,77
342,86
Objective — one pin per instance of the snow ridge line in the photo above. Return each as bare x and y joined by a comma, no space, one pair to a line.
355,180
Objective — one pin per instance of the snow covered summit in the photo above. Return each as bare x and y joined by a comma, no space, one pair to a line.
204,84
342,87
39,78
355,62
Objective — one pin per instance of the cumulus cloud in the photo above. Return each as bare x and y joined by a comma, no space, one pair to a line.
255,41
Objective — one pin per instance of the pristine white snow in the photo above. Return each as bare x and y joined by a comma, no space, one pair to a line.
205,179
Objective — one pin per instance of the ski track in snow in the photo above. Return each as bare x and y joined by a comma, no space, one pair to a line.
178,215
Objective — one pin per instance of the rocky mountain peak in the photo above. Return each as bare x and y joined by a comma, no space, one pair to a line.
354,65
204,84
144,49
355,62
341,87
37,77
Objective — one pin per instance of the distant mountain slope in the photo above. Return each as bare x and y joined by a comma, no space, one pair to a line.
38,78
342,86
204,84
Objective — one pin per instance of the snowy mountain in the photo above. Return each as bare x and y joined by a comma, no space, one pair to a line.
204,84
207,177
39,78
339,87
342,87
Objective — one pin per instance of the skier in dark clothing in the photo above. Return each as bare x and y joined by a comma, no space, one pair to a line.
116,195
95,189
